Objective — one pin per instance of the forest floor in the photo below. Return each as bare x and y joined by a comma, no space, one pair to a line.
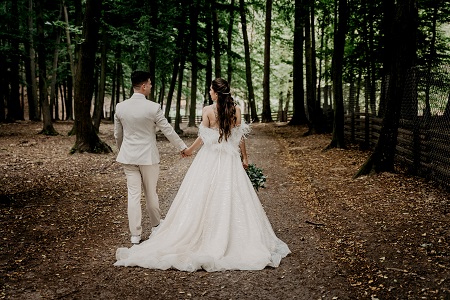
63,216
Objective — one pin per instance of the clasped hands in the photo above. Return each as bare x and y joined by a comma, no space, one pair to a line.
184,154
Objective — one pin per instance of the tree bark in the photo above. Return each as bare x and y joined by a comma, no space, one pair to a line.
53,87
194,62
48,128
299,113
98,110
176,65
267,113
402,39
248,69
230,36
209,50
179,94
15,111
30,68
216,39
338,139
152,49
87,139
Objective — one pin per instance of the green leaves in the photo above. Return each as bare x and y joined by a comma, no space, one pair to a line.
256,176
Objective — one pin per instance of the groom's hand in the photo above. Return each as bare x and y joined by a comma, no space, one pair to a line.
183,154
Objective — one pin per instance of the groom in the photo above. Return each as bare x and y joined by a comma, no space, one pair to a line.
135,124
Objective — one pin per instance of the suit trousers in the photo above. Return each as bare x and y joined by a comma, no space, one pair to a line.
138,176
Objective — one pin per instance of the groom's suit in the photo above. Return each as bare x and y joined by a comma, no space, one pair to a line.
135,124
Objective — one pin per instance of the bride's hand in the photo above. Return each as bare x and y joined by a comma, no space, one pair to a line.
245,163
188,151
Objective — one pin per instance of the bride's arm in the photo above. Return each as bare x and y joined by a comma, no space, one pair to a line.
243,153
242,143
198,142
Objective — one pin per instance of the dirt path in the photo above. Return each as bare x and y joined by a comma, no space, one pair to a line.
63,216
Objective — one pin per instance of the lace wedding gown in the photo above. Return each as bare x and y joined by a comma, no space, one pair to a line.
216,221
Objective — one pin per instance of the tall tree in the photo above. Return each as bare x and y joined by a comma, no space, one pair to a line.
230,38
30,68
338,139
299,113
248,68
98,109
48,128
152,49
15,111
87,139
267,113
402,37
194,61
216,39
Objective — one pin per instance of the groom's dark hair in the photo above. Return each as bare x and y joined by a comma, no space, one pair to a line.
138,77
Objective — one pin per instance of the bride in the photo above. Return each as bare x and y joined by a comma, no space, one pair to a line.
216,221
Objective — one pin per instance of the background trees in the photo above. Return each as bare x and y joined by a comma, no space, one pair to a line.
326,69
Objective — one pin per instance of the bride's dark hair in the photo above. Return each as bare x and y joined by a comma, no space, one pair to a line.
226,107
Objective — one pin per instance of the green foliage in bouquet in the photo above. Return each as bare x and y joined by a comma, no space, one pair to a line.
256,176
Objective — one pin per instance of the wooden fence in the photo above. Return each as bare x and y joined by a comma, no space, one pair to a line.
422,146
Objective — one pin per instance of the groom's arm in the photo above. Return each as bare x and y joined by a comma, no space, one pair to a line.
168,130
118,131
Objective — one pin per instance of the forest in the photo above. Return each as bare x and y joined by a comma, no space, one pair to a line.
334,90
306,62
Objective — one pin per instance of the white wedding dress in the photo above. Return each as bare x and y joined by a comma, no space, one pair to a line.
216,221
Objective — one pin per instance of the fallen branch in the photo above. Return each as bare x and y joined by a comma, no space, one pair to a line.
315,224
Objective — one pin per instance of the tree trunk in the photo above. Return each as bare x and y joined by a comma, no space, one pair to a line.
176,64
69,98
338,139
209,50
42,61
30,69
179,94
299,113
310,85
69,45
15,111
216,39
230,36
402,37
3,88
267,113
248,69
53,87
98,110
194,62
87,139
152,49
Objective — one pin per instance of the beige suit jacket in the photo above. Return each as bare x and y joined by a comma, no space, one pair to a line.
135,124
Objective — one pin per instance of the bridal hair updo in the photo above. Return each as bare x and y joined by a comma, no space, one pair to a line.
226,107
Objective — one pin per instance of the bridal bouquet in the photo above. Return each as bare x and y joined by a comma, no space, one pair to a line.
256,176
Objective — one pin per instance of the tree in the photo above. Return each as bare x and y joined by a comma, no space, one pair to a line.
194,62
48,128
230,38
216,39
98,109
299,113
87,139
402,38
30,68
338,139
248,69
267,113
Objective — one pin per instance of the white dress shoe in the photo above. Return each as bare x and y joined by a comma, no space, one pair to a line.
135,239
